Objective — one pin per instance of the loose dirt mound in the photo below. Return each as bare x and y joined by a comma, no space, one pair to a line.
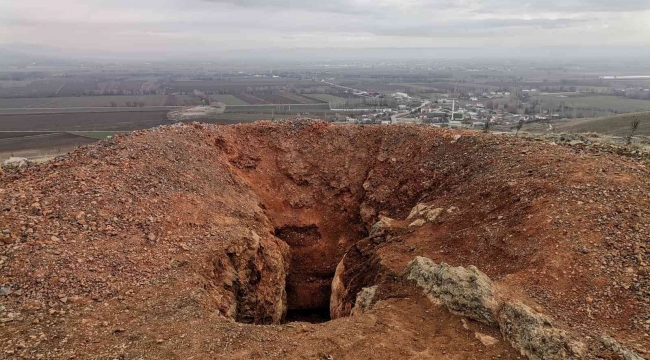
177,242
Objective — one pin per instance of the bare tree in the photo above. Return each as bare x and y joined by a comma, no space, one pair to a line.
128,104
520,124
486,126
113,104
634,126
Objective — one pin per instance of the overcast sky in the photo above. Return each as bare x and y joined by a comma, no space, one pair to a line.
198,26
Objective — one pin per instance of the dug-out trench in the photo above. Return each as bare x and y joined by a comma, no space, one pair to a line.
318,199
314,258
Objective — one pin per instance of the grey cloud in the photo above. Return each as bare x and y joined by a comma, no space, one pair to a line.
567,5
481,6
167,25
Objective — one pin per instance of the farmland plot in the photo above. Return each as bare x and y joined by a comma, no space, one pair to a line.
228,99
23,102
298,99
77,87
276,99
250,99
39,88
84,121
326,98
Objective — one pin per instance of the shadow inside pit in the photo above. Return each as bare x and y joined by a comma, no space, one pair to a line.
313,316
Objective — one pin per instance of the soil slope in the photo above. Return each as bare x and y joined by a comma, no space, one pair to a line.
204,242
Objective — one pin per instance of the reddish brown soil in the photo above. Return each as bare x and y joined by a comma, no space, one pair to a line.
122,249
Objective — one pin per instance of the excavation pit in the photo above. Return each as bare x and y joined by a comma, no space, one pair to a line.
309,279
315,203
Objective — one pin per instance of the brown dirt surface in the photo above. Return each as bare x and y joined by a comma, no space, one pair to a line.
179,242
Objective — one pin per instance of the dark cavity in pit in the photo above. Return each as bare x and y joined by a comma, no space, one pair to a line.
313,316
309,281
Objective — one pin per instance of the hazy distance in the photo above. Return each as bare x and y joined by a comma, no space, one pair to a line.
336,29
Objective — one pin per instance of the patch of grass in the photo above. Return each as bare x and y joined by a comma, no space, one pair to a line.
615,125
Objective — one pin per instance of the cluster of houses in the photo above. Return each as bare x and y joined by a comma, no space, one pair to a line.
452,110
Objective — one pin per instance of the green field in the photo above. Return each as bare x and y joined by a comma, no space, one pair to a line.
326,97
599,103
268,109
23,102
86,101
616,125
228,99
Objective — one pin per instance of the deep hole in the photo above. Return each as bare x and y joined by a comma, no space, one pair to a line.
314,316
309,280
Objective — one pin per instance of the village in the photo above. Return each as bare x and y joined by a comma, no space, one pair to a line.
455,110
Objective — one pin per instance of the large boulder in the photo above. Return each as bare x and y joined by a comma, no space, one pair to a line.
469,292
466,292
16,163
617,348
534,334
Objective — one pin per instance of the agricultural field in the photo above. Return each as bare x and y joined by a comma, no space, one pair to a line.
23,103
252,100
276,99
236,85
92,101
37,88
39,145
599,103
228,99
78,87
298,99
83,121
236,118
268,108
325,98
130,85
97,135
616,125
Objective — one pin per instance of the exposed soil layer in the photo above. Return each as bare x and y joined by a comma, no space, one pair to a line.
178,241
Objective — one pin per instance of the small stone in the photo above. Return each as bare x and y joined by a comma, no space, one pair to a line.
151,237
5,291
486,340
8,240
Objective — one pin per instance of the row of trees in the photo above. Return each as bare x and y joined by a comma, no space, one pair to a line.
130,104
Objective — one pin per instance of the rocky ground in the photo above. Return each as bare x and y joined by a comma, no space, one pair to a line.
205,242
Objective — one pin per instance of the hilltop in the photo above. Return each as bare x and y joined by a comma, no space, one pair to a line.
307,240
